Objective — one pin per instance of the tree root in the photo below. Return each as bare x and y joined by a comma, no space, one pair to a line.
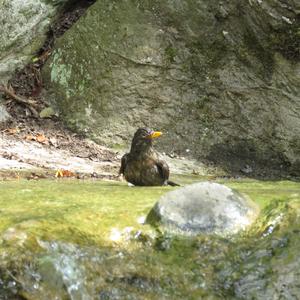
31,104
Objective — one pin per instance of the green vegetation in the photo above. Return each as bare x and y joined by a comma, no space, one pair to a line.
60,208
170,53
57,208
88,232
286,40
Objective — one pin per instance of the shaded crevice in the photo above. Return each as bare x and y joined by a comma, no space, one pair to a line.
70,14
27,82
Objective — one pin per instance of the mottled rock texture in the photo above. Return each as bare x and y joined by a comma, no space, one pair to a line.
4,116
24,24
220,78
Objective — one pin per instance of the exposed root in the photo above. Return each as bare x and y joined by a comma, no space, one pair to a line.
26,85
30,103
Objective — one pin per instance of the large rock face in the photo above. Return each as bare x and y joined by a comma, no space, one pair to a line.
204,207
24,24
221,78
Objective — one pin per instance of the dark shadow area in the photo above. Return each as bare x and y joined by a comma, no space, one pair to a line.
70,14
243,159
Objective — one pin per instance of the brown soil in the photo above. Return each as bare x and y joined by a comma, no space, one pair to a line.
47,146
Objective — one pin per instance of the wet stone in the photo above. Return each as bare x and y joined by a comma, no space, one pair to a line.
14,236
204,207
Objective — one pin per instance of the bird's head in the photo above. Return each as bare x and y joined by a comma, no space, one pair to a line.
143,138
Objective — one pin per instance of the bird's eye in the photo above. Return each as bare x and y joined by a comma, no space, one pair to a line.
143,133
148,134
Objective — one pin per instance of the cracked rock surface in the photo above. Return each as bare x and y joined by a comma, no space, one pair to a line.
220,78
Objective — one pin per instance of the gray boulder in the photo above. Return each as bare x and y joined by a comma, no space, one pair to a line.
23,31
204,207
220,78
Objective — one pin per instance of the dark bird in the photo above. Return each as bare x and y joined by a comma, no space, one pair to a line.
142,165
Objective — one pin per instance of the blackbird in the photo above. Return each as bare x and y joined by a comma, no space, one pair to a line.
142,165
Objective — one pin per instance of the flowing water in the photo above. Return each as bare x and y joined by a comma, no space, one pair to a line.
75,239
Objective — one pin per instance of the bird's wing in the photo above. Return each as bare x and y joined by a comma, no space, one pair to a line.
163,169
123,163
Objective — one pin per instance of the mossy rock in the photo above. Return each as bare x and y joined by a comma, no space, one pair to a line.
214,85
23,32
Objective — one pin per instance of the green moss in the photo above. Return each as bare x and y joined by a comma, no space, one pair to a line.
60,72
265,192
118,146
111,251
75,203
64,206
253,47
286,40
170,53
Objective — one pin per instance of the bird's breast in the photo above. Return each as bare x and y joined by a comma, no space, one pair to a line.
143,172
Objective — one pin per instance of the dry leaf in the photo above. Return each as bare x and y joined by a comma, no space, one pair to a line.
59,173
64,173
67,173
41,138
12,130
30,137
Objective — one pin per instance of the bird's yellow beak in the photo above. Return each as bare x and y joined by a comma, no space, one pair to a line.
154,134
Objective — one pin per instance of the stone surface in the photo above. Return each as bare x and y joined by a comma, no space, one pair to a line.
47,112
25,155
24,24
220,79
270,270
204,207
4,115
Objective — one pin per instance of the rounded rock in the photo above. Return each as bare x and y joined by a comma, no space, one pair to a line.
204,207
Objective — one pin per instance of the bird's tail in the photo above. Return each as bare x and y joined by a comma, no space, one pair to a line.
172,183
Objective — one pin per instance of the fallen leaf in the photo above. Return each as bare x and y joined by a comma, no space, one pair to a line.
41,138
30,137
12,131
58,174
67,173
64,173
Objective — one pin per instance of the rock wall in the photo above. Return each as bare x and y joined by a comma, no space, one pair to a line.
24,24
220,78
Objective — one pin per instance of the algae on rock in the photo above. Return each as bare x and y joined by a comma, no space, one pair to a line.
220,79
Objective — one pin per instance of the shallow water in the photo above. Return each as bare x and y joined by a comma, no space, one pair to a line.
72,239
